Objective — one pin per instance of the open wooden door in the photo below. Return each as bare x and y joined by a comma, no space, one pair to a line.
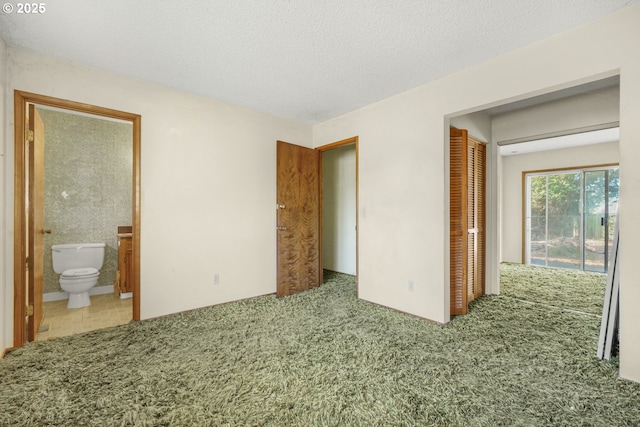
35,274
298,219
467,187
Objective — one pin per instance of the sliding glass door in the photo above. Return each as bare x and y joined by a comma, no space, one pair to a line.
569,217
600,207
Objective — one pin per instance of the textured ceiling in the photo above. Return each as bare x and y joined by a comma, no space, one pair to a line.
307,60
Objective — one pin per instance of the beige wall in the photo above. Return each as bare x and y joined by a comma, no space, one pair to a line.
208,184
512,168
403,184
478,124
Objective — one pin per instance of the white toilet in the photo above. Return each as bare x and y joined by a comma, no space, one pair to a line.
78,265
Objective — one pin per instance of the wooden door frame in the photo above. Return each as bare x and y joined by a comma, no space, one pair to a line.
34,148
322,149
21,99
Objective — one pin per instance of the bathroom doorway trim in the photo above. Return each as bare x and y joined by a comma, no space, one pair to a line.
21,101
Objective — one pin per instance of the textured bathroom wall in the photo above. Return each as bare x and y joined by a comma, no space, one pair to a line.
88,169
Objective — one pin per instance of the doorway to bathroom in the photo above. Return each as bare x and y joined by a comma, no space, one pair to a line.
66,172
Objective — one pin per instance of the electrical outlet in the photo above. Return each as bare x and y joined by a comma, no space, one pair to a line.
216,279
411,286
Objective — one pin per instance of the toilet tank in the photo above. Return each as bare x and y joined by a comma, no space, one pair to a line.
77,255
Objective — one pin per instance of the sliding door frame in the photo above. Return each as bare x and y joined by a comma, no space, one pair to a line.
577,169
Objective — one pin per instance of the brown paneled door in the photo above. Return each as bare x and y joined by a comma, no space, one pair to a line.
467,219
298,219
35,265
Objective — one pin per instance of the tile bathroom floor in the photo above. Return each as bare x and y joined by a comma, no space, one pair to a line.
105,310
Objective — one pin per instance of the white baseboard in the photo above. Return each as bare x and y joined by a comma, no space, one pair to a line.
125,295
57,296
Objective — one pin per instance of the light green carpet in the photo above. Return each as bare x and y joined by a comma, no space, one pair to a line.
324,358
570,289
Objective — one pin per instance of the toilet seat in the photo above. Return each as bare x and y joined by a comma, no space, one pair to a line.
80,273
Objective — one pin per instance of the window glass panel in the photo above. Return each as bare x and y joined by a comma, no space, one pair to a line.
595,211
613,194
538,220
563,223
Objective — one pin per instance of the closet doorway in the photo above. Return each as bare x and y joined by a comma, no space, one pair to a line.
339,206
28,237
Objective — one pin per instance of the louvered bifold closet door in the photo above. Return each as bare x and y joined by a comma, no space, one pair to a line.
458,221
481,217
472,231
467,219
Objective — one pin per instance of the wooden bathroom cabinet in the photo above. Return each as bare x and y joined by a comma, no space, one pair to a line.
124,276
